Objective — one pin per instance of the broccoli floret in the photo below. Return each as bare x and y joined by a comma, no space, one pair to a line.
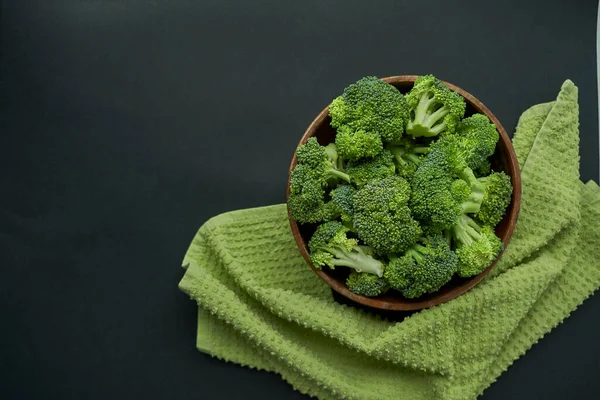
484,169
460,190
435,109
424,268
432,201
407,156
366,284
342,197
330,246
368,169
438,199
323,160
371,105
478,138
476,246
356,144
498,192
307,195
382,218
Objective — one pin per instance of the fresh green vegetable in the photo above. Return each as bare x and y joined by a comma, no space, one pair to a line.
369,169
424,268
367,108
432,200
435,109
342,198
323,160
476,246
366,284
496,198
354,144
382,218
479,137
307,195
408,155
405,196
330,246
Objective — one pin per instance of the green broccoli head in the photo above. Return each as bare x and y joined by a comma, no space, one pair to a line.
366,284
476,246
307,195
445,161
323,160
356,144
342,198
460,190
424,268
433,201
330,246
435,109
382,218
484,169
496,198
478,139
371,105
368,169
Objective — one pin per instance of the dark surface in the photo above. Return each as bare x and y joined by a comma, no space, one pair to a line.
127,124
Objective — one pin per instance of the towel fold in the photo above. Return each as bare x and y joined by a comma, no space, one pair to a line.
261,306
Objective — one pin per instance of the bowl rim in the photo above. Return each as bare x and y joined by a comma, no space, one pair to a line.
415,304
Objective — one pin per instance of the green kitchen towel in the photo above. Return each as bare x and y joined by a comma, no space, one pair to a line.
261,306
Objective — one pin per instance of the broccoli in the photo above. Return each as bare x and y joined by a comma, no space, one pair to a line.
476,246
484,169
368,169
433,201
323,160
371,105
444,202
407,156
307,195
424,268
342,198
435,109
460,190
438,199
496,198
478,139
406,196
330,246
382,218
356,144
366,284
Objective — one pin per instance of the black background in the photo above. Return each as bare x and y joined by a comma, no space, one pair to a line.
127,124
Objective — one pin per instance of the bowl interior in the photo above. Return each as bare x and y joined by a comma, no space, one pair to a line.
504,159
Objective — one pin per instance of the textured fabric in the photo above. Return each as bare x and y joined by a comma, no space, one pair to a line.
261,306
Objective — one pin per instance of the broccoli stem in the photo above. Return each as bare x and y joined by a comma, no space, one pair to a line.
398,157
437,129
471,206
420,150
426,123
413,158
357,259
468,176
333,173
417,252
473,203
466,231
436,116
422,108
403,156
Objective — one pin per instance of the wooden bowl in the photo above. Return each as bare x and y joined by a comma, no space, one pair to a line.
504,159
